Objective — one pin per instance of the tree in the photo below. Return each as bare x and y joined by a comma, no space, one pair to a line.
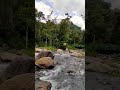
54,34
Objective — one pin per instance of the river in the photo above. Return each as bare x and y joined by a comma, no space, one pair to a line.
68,74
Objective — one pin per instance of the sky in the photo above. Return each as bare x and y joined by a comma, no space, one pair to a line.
75,8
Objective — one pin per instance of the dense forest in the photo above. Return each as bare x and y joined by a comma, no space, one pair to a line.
102,27
17,23
55,34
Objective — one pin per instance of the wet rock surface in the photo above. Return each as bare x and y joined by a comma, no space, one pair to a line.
101,81
68,73
102,74
99,67
43,85
43,53
19,82
12,65
45,62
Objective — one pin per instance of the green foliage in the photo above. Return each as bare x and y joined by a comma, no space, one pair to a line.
100,19
17,16
55,34
102,27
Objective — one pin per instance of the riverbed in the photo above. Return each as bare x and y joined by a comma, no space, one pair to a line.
68,73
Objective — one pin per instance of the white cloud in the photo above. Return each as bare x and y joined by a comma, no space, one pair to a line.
78,21
69,6
74,7
43,7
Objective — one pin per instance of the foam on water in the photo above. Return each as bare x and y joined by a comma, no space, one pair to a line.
58,77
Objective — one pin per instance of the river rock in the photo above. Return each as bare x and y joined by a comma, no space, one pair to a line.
45,62
60,51
19,82
5,57
19,66
89,59
43,85
44,54
98,67
38,49
75,54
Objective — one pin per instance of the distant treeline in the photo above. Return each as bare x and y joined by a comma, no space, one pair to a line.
55,34
102,25
17,23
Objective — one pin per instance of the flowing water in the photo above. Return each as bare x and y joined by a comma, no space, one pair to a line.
68,74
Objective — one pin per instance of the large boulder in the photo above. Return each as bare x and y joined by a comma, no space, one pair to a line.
20,82
7,57
3,67
99,67
19,66
45,62
76,54
43,85
38,50
60,51
44,54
